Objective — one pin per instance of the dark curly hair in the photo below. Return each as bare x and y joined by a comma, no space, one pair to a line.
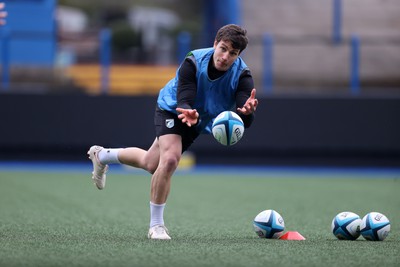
234,34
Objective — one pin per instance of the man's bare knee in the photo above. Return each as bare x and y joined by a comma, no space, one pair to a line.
171,163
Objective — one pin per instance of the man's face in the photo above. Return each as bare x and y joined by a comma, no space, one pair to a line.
224,55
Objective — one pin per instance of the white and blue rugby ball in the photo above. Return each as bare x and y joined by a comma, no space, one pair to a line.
269,224
228,128
346,226
375,226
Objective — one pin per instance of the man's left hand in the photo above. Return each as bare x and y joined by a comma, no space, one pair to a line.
251,104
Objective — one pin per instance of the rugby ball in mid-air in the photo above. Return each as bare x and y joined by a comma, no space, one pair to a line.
269,224
375,226
228,128
346,226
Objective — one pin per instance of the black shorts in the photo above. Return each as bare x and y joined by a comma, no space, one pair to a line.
168,123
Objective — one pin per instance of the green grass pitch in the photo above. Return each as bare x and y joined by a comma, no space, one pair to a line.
57,218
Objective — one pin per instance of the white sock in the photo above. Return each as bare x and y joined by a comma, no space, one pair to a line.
109,155
156,214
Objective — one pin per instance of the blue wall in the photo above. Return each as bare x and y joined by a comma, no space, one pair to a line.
31,28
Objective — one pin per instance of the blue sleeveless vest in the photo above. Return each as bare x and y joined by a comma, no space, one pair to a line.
213,96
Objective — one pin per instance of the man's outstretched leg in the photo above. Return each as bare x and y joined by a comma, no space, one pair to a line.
132,156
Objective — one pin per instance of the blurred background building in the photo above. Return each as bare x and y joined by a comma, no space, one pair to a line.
306,55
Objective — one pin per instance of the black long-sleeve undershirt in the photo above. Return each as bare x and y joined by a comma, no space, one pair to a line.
187,87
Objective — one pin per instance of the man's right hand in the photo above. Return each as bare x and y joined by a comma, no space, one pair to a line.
188,116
